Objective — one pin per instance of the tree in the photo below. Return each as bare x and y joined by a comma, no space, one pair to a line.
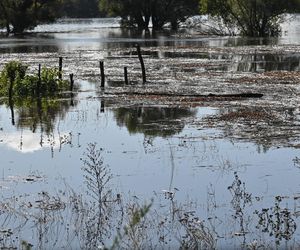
80,8
257,18
19,15
133,12
4,18
173,11
139,13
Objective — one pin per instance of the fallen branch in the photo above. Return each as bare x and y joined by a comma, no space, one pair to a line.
237,95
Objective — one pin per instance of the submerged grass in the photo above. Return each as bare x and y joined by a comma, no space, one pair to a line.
102,218
247,114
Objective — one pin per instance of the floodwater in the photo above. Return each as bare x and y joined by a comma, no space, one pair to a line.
230,165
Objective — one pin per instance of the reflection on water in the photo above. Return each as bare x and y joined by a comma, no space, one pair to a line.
36,118
267,62
175,152
153,121
39,112
150,149
101,218
105,33
239,63
68,35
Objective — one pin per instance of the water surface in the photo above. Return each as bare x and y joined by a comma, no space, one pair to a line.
153,147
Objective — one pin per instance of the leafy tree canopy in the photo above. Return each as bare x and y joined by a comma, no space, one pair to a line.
255,18
19,15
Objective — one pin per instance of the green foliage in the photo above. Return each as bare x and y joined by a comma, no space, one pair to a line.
257,18
13,71
26,14
50,83
14,74
26,245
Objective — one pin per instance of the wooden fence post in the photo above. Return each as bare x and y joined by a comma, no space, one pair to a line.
71,82
60,68
126,75
10,90
38,87
102,108
138,49
102,74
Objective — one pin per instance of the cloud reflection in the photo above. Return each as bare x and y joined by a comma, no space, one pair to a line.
28,142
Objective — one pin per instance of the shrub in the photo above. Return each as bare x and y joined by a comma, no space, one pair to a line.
255,18
14,73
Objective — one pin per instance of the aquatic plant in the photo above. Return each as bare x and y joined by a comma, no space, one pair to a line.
14,81
132,231
97,177
278,221
70,219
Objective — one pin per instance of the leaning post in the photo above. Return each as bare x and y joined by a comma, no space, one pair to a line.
138,49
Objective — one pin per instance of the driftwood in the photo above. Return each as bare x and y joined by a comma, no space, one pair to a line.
237,95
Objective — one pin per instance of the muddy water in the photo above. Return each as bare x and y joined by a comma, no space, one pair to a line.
235,159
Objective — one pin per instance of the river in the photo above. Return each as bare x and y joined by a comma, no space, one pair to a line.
230,167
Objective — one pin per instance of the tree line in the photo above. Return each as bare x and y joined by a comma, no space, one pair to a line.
249,17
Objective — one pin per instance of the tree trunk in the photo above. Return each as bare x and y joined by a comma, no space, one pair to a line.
4,11
174,25
7,28
140,22
157,22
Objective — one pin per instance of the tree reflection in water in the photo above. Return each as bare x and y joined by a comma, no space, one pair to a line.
153,121
40,112
39,115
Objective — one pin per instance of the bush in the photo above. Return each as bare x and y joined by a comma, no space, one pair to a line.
14,73
255,18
